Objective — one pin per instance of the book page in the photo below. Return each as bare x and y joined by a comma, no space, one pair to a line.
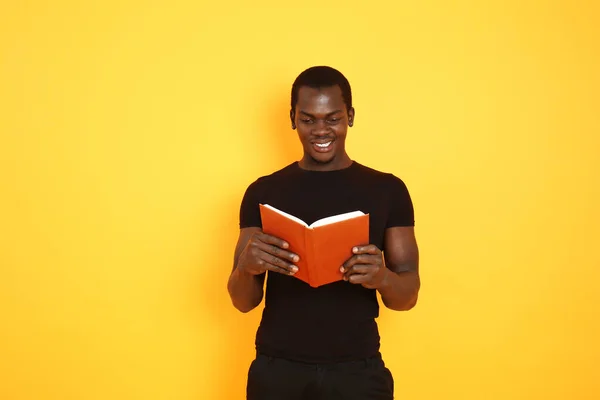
289,216
336,218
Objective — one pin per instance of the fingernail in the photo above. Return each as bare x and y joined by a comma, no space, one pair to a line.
296,258
285,245
341,269
295,269
355,249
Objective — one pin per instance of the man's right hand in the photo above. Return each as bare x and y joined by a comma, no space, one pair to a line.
265,252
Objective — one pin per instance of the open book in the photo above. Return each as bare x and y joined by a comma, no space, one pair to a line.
322,246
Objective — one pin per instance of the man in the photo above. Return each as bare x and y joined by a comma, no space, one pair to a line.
323,343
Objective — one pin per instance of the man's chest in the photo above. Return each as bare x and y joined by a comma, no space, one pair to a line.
310,203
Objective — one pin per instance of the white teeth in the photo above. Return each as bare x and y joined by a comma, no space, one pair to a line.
323,145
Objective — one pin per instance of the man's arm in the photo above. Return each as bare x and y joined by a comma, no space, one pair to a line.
255,253
245,289
399,282
400,285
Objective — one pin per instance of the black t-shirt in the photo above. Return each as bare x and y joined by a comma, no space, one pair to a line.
334,322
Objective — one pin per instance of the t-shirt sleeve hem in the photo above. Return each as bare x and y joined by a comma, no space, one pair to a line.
400,204
400,225
249,208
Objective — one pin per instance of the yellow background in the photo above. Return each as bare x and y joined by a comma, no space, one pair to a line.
129,131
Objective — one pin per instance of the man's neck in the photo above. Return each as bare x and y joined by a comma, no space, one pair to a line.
336,164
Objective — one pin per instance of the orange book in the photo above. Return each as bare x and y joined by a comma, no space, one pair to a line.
322,246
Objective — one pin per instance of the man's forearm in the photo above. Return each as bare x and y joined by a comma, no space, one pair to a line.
399,291
245,290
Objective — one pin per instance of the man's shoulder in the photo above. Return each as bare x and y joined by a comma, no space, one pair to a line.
378,175
274,177
282,172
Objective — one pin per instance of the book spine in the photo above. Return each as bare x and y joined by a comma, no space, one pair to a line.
312,271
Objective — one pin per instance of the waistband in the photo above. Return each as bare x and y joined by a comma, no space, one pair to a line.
368,362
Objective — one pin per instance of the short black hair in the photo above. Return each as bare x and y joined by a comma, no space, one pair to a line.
322,76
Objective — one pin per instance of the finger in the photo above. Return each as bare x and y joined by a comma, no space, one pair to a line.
275,268
368,249
360,278
278,252
359,269
273,240
269,259
349,263
357,259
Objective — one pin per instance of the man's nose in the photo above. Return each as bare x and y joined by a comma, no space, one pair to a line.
320,128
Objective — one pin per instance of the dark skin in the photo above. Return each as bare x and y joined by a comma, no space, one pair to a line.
321,117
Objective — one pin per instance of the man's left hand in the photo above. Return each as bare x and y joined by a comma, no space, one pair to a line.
366,267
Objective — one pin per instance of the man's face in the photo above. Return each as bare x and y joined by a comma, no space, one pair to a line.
322,119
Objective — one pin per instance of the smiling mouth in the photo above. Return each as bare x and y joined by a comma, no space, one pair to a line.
323,147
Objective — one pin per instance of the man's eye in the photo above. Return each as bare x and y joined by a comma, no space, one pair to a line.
334,120
307,121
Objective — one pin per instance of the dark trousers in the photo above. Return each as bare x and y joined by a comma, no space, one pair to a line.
278,379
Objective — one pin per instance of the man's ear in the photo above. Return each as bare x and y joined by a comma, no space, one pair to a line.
293,118
351,116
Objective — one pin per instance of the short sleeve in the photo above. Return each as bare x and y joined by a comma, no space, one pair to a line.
401,210
249,209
